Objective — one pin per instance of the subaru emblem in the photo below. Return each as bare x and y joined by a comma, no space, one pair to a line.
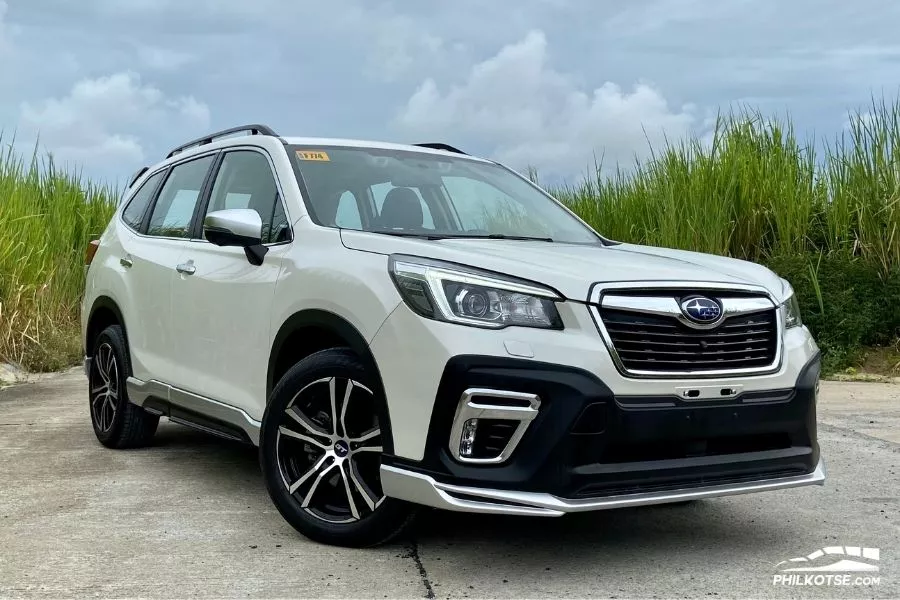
701,310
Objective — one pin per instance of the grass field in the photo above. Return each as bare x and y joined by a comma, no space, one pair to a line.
47,217
822,213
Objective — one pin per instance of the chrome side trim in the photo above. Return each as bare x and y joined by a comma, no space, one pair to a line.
140,391
479,409
601,291
422,489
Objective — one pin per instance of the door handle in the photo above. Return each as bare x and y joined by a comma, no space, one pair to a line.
126,262
186,268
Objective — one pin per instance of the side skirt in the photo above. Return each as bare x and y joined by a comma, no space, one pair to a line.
193,410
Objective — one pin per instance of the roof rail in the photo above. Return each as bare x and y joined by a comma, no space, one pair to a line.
440,146
254,129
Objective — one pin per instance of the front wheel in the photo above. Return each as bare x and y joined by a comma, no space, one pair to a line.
320,452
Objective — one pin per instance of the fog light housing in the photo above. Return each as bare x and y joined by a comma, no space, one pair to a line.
467,437
489,424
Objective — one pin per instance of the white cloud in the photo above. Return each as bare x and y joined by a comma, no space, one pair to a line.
163,59
399,44
532,114
101,122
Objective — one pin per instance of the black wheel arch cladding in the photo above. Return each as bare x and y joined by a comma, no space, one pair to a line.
349,337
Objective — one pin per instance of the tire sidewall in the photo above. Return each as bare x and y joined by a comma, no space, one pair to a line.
115,338
372,529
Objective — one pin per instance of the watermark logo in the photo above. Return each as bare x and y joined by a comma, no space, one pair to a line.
834,565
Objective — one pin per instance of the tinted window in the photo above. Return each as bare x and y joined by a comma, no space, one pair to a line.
174,208
380,192
133,214
424,193
245,180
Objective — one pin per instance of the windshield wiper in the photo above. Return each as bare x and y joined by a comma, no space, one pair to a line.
426,236
461,236
497,236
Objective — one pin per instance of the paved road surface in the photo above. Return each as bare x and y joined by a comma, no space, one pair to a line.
190,517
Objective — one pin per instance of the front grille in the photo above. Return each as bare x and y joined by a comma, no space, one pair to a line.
660,343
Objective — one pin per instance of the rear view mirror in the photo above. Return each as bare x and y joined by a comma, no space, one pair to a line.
240,227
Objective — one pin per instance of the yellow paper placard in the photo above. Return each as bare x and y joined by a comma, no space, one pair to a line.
312,155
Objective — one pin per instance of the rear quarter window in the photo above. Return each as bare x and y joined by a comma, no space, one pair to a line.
133,214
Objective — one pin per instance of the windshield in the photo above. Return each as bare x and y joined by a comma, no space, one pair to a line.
419,194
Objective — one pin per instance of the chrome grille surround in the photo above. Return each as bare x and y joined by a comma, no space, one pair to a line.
659,298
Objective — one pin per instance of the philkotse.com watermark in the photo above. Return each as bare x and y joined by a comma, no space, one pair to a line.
831,566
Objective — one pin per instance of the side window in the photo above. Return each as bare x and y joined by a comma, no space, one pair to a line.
174,208
133,215
347,215
380,192
245,180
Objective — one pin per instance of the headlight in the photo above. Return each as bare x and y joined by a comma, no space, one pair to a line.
452,293
791,307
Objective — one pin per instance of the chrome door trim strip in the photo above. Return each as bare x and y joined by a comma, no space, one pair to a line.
423,489
598,295
140,391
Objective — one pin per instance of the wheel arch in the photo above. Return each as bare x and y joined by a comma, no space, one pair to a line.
312,330
104,312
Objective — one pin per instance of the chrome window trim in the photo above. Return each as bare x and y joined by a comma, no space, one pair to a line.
483,409
599,292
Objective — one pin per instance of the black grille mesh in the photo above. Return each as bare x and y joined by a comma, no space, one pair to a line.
646,342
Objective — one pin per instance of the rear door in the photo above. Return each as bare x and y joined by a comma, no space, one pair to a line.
151,258
222,311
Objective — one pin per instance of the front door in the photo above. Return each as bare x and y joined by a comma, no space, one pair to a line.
222,307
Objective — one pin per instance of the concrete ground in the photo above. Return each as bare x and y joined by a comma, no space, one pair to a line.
189,517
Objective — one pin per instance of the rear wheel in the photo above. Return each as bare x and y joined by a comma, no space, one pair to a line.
117,422
320,451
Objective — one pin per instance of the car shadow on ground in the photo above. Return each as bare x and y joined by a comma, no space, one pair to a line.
721,525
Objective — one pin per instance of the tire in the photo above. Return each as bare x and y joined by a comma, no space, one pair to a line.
320,455
117,422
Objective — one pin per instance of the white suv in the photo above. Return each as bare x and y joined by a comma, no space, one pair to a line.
405,325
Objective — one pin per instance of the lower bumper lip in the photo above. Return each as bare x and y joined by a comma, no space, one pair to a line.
423,489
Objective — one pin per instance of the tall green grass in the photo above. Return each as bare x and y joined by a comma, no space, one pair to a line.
825,216
753,190
47,218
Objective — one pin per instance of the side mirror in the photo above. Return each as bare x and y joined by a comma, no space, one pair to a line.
240,227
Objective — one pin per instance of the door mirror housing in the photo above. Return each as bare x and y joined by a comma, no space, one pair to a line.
241,227
233,227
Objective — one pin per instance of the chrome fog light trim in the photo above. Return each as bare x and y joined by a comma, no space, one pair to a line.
474,404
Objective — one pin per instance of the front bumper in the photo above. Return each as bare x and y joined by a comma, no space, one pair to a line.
589,448
422,489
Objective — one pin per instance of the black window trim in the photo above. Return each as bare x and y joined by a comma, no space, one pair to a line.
196,230
203,189
166,170
150,202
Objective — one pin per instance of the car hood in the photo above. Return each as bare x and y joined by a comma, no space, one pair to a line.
572,269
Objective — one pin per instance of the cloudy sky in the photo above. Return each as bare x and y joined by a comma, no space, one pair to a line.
110,85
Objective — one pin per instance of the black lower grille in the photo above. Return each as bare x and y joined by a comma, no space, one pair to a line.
492,437
660,343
